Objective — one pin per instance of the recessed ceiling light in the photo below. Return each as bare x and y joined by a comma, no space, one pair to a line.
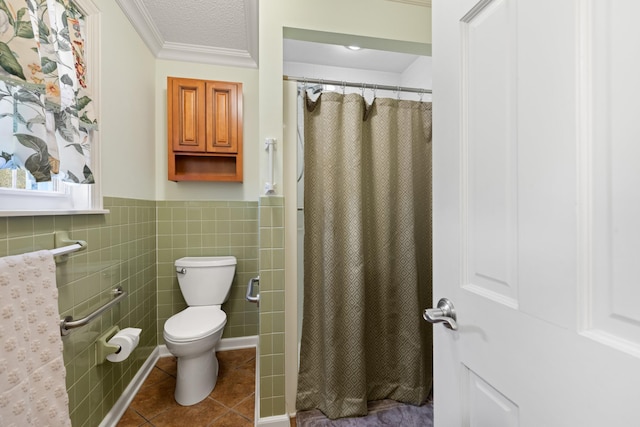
353,47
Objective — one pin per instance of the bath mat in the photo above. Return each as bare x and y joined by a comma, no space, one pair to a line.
381,413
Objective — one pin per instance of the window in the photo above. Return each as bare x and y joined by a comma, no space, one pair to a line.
39,103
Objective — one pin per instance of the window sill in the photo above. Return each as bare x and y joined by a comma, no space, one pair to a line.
73,200
53,212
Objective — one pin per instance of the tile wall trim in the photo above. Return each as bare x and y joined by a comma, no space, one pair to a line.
271,384
277,421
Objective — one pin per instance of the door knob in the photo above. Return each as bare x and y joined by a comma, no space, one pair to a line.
444,313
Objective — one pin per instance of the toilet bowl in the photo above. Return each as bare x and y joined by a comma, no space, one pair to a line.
192,334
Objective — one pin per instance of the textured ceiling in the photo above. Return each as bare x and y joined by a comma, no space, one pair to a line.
217,23
225,32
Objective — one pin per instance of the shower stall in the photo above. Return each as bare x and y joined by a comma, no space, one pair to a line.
368,83
367,249
313,87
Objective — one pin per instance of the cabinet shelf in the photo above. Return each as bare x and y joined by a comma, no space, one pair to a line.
206,168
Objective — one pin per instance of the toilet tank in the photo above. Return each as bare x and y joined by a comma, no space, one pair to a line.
205,280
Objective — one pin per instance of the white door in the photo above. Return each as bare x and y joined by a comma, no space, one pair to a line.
537,212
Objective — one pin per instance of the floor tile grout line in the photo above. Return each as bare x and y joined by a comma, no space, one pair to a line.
243,416
248,364
150,420
142,416
213,421
232,408
164,371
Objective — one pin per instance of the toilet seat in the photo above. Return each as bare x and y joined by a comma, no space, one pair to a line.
194,323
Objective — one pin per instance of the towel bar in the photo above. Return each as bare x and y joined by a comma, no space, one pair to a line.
67,249
64,245
68,322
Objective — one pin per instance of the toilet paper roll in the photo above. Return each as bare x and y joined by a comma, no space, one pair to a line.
127,339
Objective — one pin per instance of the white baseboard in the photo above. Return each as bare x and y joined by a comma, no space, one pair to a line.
237,343
114,415
224,344
256,412
277,421
164,352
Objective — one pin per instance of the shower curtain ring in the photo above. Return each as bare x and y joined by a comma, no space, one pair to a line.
344,85
398,92
375,90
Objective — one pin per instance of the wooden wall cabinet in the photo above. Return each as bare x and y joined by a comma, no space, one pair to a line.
204,129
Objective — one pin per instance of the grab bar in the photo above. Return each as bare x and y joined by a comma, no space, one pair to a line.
68,322
250,296
270,187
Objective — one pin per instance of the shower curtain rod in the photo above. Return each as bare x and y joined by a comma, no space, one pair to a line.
360,85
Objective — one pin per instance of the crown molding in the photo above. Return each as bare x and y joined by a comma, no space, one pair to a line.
206,55
425,3
139,17
251,14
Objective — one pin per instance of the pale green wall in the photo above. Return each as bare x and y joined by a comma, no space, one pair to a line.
126,100
379,19
134,118
382,19
247,190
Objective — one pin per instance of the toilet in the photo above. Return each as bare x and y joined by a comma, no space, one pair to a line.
192,334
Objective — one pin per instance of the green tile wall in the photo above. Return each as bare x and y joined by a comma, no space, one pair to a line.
272,401
134,246
121,251
208,228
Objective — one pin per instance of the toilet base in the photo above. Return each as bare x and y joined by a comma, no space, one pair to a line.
196,378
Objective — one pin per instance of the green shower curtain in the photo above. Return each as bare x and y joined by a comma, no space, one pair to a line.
367,254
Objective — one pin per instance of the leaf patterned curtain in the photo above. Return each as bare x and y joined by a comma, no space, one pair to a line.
46,115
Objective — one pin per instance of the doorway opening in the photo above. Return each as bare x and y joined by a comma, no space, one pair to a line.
313,64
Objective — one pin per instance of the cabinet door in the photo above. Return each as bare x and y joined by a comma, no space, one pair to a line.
186,108
224,118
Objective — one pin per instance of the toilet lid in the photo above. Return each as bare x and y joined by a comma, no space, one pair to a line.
194,323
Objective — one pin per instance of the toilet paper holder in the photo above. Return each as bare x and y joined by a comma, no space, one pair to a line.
103,348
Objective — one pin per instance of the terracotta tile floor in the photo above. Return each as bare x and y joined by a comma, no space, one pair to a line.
231,403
